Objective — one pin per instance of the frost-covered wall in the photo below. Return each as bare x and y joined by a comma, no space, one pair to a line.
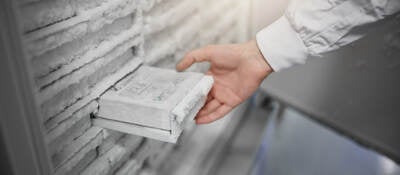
79,48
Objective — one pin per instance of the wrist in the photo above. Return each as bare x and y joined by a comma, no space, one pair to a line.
262,66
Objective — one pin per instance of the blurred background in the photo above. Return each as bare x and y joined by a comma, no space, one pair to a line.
325,117
339,114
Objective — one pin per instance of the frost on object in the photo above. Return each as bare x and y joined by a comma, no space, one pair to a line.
153,102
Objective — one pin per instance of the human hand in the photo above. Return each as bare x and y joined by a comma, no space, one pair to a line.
237,69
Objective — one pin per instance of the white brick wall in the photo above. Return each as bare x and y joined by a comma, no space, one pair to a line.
79,48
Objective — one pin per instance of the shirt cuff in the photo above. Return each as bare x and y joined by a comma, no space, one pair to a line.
280,45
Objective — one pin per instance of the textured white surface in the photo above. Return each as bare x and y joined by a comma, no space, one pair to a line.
80,48
154,102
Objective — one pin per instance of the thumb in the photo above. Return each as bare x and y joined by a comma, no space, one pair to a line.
198,55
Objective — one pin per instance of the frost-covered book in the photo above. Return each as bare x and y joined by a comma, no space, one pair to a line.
154,102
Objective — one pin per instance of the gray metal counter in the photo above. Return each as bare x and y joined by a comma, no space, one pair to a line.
355,91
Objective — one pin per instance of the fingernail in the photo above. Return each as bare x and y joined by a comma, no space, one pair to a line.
177,67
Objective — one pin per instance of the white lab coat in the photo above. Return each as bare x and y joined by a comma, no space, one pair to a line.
313,27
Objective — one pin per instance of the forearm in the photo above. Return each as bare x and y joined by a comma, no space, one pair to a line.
314,27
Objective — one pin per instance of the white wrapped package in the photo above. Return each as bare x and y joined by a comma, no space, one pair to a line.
154,103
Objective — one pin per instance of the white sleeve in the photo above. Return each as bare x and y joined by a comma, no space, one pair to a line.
313,27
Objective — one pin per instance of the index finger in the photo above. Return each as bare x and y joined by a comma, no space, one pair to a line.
198,55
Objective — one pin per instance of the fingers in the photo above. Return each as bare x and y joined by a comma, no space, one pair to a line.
217,114
209,98
209,107
198,55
